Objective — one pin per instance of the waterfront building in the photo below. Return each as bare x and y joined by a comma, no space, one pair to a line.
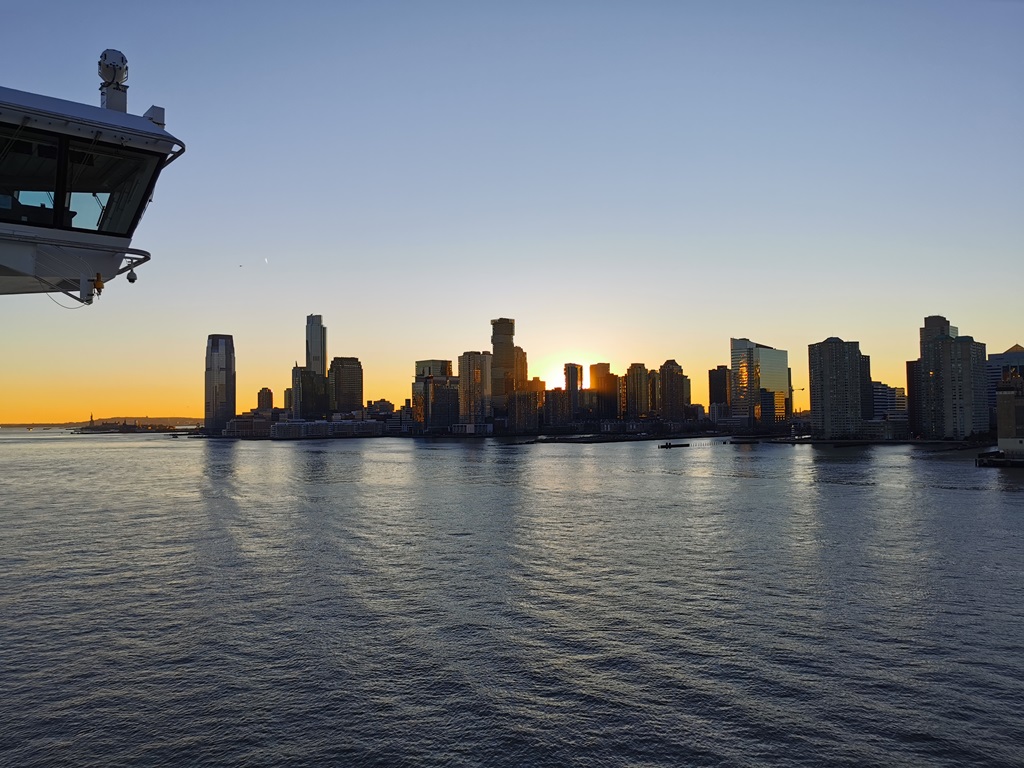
718,387
1010,416
888,402
948,397
573,385
1003,366
265,399
605,386
503,361
674,390
520,376
524,412
965,396
475,377
760,376
309,394
557,408
837,388
653,394
345,385
914,424
316,345
928,398
219,383
867,399
718,413
638,392
435,396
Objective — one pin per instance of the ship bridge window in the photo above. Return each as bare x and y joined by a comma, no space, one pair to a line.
108,186
59,182
28,176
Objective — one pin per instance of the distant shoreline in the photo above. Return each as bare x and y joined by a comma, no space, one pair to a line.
171,421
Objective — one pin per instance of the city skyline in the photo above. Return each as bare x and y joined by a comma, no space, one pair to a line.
630,184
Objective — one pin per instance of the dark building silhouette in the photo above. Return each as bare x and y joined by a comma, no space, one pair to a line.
220,382
948,398
573,385
838,388
503,363
265,399
435,396
718,386
674,391
345,385
316,345
309,394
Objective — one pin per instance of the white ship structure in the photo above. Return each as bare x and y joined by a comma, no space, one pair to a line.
75,180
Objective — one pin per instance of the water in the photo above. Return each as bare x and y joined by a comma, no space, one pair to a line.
398,602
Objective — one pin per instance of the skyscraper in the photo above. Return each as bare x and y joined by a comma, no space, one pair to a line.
675,391
220,382
309,394
520,375
718,386
316,345
345,385
965,409
435,396
951,399
928,400
475,376
573,385
837,388
265,399
503,361
638,392
605,386
760,383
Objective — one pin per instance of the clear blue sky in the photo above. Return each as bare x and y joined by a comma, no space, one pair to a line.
630,181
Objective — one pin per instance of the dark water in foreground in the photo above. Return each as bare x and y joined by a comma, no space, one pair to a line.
413,603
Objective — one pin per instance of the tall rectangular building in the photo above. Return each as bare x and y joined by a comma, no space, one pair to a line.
345,385
220,382
605,385
759,375
930,384
675,391
503,360
638,392
573,385
435,396
520,373
309,394
951,398
837,388
316,345
475,377
718,386
965,410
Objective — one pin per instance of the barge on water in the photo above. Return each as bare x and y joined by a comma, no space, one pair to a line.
998,459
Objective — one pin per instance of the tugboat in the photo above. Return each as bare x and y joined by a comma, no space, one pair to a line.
74,182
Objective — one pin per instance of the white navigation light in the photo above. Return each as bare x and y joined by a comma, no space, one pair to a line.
113,67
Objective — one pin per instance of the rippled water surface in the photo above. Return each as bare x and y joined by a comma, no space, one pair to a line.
401,602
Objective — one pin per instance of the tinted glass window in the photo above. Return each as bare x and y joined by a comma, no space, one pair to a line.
28,176
107,186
